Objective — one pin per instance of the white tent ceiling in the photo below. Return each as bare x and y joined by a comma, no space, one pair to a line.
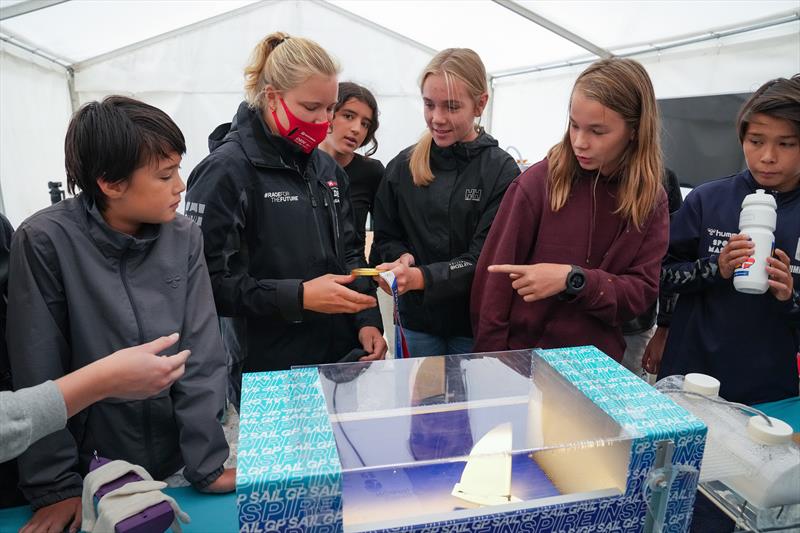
186,56
78,30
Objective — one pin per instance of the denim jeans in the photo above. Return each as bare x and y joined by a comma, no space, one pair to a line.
423,344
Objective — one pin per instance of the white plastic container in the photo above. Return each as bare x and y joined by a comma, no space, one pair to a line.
757,220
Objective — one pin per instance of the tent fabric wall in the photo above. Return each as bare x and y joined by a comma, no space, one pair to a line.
530,111
35,104
195,73
197,76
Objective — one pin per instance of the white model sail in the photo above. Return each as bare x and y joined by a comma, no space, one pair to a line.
486,479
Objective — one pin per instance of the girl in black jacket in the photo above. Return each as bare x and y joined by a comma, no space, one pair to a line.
436,204
355,121
277,220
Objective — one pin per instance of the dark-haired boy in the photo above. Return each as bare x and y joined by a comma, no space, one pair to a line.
749,342
110,268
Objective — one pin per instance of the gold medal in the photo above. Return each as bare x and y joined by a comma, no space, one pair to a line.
366,272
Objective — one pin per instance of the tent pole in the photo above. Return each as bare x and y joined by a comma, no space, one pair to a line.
553,27
73,96
667,45
14,41
26,6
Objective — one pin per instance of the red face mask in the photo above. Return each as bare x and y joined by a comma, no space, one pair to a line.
306,135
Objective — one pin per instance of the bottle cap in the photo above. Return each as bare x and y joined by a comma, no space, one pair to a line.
760,197
778,433
701,384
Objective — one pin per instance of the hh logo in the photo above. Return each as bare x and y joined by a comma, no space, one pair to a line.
195,212
473,195
173,281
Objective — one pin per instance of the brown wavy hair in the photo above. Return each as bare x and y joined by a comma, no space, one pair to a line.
349,90
621,85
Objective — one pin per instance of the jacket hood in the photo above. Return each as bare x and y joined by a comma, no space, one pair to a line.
262,147
459,153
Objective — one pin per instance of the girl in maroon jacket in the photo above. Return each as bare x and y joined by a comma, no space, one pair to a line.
576,247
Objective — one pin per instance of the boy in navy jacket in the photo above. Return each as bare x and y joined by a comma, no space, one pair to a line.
748,342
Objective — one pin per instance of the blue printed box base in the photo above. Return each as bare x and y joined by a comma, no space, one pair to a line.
290,475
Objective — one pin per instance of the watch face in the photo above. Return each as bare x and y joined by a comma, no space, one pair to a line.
577,280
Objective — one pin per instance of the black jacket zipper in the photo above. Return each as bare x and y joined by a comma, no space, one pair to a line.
334,220
314,214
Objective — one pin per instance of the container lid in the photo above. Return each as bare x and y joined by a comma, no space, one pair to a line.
760,197
778,433
701,384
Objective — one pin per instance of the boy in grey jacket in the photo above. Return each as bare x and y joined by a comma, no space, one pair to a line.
110,268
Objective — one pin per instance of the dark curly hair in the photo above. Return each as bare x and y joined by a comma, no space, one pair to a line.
349,90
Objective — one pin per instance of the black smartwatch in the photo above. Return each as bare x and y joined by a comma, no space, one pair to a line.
576,281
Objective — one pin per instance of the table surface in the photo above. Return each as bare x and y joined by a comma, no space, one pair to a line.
209,513
215,513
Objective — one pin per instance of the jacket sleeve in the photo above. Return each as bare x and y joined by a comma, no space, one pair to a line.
354,254
199,396
28,415
616,298
390,240
791,307
447,279
683,271
667,300
6,232
217,200
510,241
38,332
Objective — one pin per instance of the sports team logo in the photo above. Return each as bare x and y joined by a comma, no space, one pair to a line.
750,261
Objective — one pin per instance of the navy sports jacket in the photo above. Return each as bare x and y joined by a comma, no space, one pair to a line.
748,342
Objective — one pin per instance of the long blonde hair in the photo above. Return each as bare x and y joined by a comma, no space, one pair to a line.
621,85
459,63
284,62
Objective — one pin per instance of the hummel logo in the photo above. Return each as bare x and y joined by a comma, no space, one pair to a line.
173,282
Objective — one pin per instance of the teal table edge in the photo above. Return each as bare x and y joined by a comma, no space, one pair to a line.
210,513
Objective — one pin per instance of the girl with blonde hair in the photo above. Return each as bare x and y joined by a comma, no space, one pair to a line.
577,245
436,203
277,220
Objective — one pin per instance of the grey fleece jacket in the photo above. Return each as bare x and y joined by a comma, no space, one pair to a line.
78,290
28,415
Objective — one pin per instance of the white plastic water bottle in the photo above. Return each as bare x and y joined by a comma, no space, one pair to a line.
757,220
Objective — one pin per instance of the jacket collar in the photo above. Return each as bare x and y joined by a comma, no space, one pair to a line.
262,147
458,154
780,197
110,241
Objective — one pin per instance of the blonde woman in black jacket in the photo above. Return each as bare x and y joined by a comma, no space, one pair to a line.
437,203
